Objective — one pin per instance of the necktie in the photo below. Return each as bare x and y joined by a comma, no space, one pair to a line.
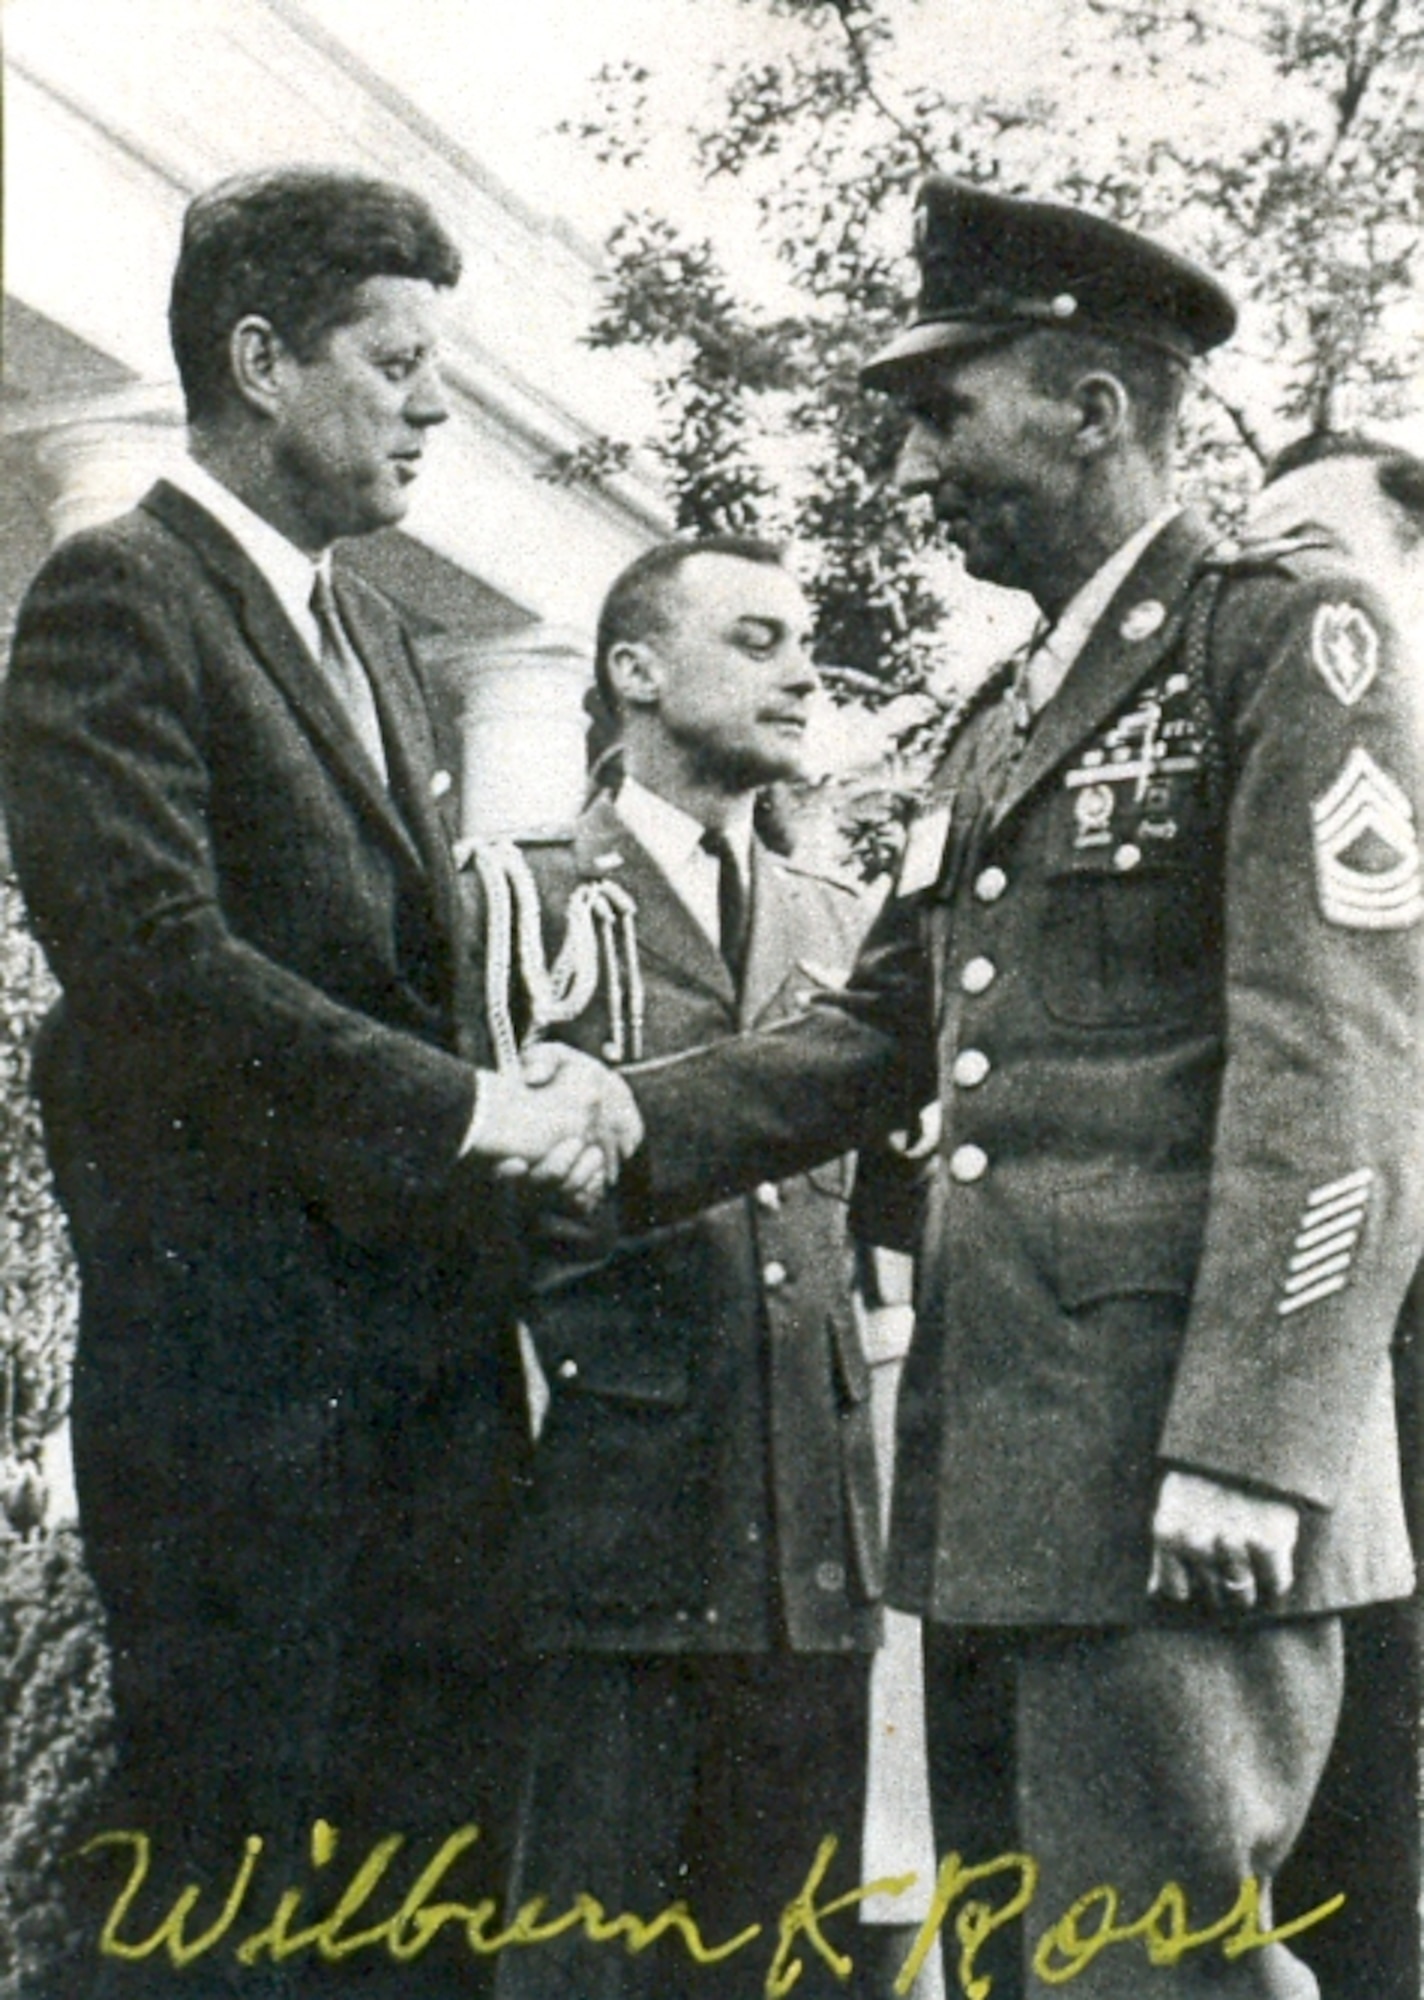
733,908
341,664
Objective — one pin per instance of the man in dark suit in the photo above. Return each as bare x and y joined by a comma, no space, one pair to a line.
701,1554
297,1413
1157,936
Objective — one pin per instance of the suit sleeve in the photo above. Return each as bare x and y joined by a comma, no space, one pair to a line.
854,1065
108,779
1316,1213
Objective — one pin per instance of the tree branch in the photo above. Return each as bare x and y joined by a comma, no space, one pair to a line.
860,63
1240,423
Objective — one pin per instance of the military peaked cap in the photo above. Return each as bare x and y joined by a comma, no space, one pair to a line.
993,265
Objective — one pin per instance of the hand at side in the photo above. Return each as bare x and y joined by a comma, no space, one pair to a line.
1222,1545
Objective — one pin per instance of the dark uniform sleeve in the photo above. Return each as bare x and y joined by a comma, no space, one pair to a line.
855,1065
1316,1213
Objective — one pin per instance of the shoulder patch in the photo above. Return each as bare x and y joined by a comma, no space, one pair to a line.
1345,646
1368,869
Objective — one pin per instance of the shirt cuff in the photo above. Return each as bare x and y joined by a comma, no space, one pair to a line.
476,1139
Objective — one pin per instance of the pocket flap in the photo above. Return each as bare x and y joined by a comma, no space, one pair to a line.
1111,1241
600,1349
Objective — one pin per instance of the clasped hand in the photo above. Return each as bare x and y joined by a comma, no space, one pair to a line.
565,1123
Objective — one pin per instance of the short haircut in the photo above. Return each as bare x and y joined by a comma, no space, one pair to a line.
293,245
638,602
1154,379
1399,474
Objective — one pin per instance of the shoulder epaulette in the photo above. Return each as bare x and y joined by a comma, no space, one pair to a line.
1294,554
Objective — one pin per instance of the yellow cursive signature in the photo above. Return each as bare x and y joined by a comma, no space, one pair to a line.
1090,1926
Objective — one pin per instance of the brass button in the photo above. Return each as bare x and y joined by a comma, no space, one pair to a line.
1127,856
768,1196
978,975
990,884
774,1275
830,1576
568,1370
971,1066
969,1163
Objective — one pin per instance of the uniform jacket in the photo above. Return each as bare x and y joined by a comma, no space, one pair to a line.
705,1478
255,1087
1169,955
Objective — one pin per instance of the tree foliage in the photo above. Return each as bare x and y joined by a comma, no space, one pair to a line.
1279,141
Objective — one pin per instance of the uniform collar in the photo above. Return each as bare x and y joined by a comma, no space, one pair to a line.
1053,655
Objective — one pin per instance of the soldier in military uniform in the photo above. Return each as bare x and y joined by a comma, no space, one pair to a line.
1156,936
701,1556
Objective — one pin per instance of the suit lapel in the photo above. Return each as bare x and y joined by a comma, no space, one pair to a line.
1111,663
668,933
278,649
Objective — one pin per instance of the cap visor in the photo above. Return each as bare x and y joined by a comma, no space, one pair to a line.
913,350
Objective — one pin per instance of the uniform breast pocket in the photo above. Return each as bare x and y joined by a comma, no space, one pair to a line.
1131,929
627,1351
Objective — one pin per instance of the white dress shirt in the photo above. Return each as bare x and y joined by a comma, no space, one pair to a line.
289,570
674,839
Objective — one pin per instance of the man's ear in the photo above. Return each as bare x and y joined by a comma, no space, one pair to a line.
636,673
1104,414
259,360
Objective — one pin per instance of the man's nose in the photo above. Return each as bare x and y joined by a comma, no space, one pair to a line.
920,466
427,403
801,677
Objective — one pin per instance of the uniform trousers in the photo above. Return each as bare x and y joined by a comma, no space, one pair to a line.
1131,1758
709,1780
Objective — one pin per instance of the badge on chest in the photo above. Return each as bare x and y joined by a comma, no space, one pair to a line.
1136,786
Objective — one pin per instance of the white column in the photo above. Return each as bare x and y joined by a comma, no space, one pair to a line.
523,732
98,457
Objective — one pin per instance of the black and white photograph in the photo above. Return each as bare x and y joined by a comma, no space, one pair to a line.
711,999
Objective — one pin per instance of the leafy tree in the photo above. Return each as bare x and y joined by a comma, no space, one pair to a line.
1279,141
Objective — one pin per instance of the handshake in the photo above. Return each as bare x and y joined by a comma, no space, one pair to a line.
562,1121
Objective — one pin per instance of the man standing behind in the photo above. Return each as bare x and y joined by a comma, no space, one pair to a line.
701,1561
1167,896
1360,500
296,1413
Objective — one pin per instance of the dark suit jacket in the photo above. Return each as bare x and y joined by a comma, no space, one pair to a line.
257,1082
1171,964
705,1479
